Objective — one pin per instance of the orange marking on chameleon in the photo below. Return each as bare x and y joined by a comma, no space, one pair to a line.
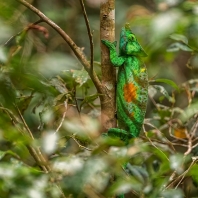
132,115
130,92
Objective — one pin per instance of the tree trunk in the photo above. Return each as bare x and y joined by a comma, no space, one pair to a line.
107,31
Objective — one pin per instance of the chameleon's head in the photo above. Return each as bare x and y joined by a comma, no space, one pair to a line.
129,44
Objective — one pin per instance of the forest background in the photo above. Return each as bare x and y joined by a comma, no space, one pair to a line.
50,110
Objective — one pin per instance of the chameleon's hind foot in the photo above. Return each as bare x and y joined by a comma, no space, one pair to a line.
111,45
119,133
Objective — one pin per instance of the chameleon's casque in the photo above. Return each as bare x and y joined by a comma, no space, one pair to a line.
132,85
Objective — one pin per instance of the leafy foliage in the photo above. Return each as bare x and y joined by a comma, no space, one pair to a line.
50,133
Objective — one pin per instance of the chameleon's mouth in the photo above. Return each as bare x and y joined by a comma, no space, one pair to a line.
134,49
141,53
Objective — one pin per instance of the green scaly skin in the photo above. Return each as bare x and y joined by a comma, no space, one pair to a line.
132,85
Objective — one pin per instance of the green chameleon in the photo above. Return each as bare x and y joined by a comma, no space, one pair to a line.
132,85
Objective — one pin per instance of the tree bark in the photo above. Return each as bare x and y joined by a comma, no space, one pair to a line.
107,31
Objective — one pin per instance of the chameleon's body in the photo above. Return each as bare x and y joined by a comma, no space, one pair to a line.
132,85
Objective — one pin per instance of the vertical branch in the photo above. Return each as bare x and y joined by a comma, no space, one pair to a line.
89,34
107,31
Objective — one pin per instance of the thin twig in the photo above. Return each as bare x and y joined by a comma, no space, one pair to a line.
77,107
195,159
189,146
32,151
35,151
63,117
89,33
190,137
158,132
157,148
153,101
195,145
170,123
37,159
195,139
10,114
179,144
194,129
24,123
75,99
80,146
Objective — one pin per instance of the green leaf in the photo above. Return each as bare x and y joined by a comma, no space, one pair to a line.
80,76
24,101
193,172
7,9
120,187
138,172
178,46
168,82
149,134
59,84
20,38
89,99
176,162
3,54
173,193
179,37
2,154
59,97
189,111
9,152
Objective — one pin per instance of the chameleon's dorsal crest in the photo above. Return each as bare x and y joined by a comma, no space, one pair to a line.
127,26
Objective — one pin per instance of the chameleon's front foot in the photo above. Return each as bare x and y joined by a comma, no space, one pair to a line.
120,133
109,44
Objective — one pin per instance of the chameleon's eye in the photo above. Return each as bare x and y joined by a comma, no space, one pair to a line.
131,37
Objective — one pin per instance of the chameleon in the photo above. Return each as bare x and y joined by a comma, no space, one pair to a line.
132,85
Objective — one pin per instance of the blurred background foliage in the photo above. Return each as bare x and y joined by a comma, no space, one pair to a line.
45,90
